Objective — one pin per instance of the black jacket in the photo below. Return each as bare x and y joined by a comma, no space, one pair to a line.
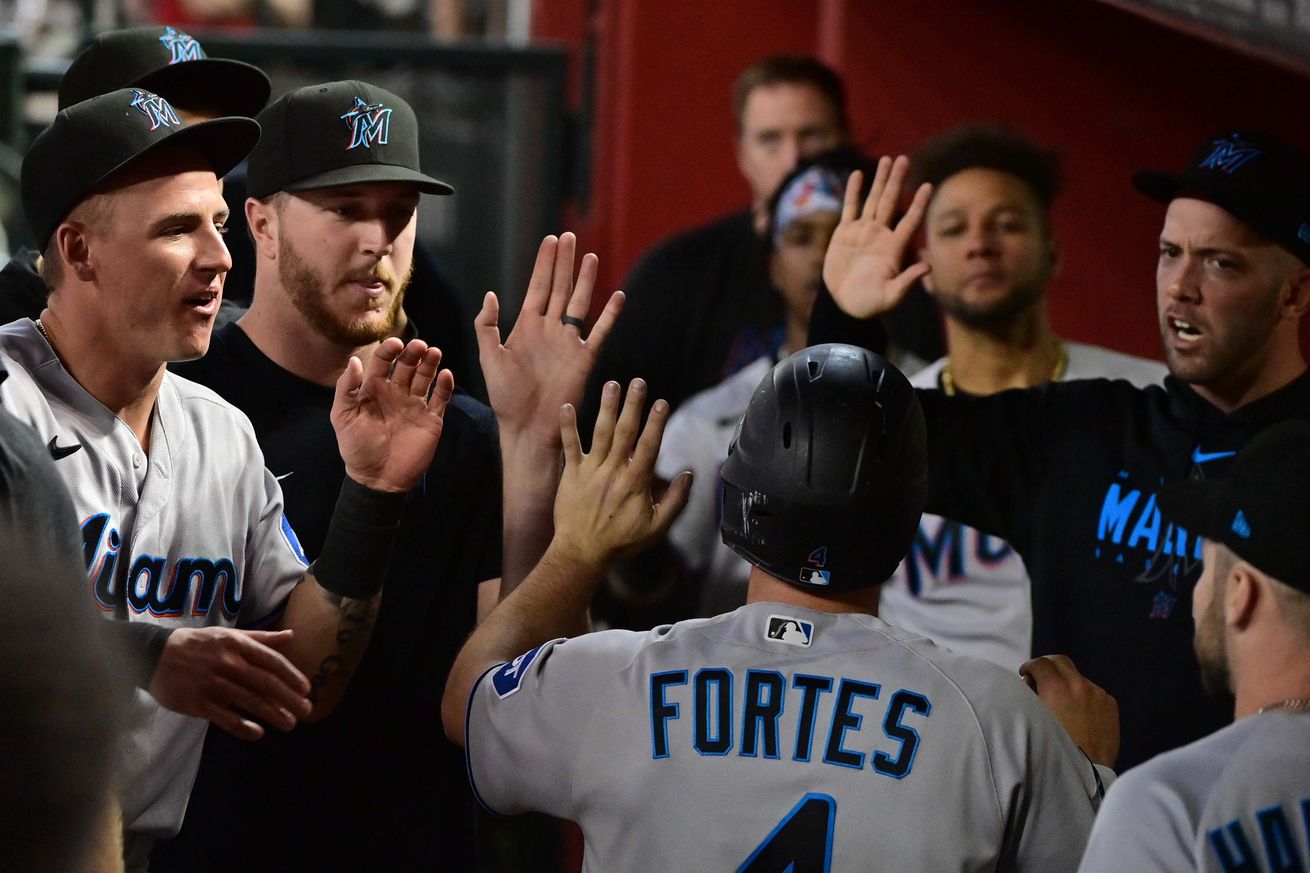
1068,474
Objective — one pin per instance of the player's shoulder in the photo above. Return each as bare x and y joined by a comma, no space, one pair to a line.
1095,362
205,408
465,410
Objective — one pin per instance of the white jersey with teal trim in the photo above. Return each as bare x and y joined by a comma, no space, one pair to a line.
774,738
967,590
1237,800
189,534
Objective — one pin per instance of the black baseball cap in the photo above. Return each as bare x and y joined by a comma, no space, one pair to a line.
89,142
338,133
166,62
1261,509
1260,181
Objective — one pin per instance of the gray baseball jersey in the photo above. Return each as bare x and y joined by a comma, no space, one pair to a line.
775,736
190,534
1237,800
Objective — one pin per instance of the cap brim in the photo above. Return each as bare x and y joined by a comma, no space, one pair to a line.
357,173
1161,187
221,85
224,142
1192,504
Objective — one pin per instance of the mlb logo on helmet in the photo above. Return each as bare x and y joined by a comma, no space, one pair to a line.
790,630
183,46
155,108
815,574
368,123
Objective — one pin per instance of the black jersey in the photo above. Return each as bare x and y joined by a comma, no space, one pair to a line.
1068,473
375,786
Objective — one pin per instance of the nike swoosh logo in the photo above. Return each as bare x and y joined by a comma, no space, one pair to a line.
1200,457
59,452
283,476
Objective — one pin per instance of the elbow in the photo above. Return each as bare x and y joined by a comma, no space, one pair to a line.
454,703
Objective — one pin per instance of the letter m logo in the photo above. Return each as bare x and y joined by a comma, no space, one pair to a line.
183,46
369,123
155,108
1229,155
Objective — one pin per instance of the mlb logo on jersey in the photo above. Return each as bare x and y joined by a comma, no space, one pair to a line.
507,679
790,630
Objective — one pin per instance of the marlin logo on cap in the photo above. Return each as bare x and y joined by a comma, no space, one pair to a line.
155,108
183,46
1230,155
368,123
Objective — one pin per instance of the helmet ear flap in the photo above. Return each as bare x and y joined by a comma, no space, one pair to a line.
826,475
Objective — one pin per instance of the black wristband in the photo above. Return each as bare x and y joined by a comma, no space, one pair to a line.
137,645
353,561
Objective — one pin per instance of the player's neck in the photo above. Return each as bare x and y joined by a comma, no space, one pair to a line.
1283,365
1019,354
765,588
279,330
1258,687
124,383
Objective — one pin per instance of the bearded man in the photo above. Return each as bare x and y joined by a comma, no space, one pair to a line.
335,184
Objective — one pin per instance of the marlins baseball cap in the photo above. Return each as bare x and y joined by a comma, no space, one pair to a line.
167,62
1259,180
340,133
89,142
1261,509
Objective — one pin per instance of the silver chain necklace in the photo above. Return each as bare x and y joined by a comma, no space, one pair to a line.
1295,704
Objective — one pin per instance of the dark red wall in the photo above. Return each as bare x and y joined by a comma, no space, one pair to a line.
1113,91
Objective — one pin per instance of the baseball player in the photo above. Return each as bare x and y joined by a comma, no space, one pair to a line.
801,217
1238,799
1068,473
336,228
989,241
798,732
182,527
163,61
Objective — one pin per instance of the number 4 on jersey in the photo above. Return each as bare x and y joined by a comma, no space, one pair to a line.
802,841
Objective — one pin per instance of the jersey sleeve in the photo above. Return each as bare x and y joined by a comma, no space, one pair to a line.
275,562
527,721
989,455
1141,827
686,446
1047,789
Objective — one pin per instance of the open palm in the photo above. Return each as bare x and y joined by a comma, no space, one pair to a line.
862,267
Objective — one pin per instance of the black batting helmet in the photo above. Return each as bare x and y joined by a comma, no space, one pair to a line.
827,475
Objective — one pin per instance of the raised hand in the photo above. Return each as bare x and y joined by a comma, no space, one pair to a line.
388,416
862,267
229,676
604,509
545,362
1086,710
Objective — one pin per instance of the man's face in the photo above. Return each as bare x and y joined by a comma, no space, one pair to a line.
159,258
1218,289
1208,615
988,245
796,264
780,124
345,255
